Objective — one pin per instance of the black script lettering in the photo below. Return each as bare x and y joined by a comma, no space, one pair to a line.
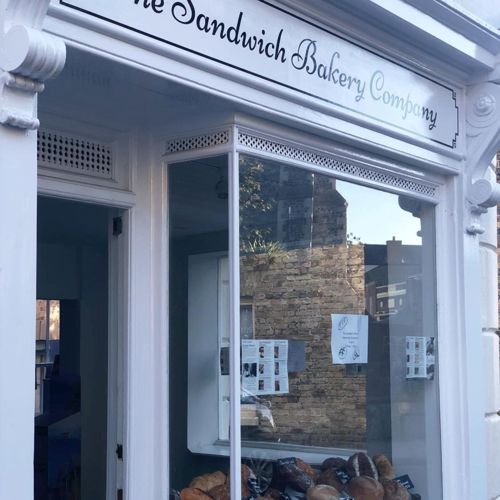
202,23
248,42
183,14
430,116
156,5
305,56
233,32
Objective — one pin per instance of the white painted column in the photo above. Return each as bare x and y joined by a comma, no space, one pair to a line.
490,362
17,310
27,58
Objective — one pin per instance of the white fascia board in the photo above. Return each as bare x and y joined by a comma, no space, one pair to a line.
430,32
92,35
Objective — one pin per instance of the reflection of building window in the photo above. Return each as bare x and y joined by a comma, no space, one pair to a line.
47,344
246,321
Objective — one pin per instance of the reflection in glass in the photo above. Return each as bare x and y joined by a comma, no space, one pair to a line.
341,357
199,336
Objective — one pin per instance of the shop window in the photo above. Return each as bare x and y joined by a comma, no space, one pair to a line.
313,251
337,334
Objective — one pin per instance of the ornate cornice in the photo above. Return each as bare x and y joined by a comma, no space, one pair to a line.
28,57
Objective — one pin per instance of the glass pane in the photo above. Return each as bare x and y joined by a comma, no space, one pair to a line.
338,377
199,327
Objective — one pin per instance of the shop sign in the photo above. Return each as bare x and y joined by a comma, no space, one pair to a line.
267,42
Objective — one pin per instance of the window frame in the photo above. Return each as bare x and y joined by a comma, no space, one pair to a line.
288,147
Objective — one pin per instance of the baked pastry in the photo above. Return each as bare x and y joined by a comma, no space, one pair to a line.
365,488
221,492
295,477
334,463
194,494
322,492
384,467
272,493
306,468
247,475
206,482
394,490
360,464
329,477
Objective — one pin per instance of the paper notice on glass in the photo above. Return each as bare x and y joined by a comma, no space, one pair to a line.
349,339
264,367
420,358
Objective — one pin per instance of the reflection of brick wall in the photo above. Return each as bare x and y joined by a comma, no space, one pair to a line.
294,293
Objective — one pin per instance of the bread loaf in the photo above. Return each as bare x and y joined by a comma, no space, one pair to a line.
365,488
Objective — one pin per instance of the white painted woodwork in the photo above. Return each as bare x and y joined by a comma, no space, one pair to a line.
17,310
470,441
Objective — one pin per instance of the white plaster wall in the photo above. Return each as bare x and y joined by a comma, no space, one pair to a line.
490,364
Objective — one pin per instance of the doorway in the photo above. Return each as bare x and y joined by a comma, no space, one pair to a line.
72,350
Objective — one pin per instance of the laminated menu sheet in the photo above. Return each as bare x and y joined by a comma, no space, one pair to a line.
264,366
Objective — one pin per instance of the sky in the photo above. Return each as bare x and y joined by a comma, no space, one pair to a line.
375,216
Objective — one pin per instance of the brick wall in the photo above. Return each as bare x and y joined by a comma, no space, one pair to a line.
294,293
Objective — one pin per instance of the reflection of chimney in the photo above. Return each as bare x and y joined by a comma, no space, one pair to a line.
395,252
329,213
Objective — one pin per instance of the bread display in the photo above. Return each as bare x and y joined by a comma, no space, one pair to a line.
360,477
306,468
334,463
206,482
323,492
365,488
394,490
194,494
329,477
295,477
384,467
221,492
360,464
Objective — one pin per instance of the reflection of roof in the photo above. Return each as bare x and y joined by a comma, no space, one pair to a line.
376,255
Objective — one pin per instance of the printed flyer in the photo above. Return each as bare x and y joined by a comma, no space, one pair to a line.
264,366
349,339
420,358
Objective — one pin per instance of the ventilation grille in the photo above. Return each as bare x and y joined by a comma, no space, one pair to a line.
330,162
70,154
198,142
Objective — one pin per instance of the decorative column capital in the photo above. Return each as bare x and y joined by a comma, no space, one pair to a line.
28,57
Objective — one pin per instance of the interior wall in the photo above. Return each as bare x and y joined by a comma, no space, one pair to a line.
184,465
72,263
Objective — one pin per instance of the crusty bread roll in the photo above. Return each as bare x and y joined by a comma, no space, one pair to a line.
384,467
365,488
394,490
221,492
360,464
306,468
322,492
330,478
206,482
194,494
334,463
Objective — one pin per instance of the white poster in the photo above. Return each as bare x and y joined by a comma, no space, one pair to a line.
264,366
349,339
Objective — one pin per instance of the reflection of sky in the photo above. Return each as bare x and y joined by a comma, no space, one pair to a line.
375,217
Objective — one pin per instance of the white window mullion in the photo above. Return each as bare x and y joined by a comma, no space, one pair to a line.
234,318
